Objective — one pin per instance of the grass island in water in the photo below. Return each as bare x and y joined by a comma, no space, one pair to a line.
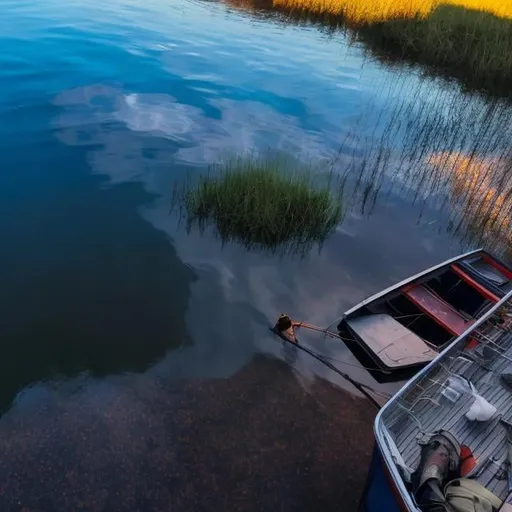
262,202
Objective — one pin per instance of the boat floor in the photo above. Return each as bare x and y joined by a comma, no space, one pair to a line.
423,409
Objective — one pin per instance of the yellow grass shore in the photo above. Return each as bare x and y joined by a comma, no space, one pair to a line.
466,40
370,11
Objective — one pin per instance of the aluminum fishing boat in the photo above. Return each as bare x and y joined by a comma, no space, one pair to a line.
408,324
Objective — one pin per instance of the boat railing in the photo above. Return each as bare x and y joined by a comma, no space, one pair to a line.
435,386
468,357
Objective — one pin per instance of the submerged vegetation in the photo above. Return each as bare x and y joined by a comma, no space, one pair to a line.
262,202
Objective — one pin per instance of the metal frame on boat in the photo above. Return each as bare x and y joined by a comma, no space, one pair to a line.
384,466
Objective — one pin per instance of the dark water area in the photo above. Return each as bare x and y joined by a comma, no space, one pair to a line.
138,370
254,441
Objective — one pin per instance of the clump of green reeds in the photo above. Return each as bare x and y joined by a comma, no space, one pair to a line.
263,202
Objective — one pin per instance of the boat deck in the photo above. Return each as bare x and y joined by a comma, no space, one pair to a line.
424,407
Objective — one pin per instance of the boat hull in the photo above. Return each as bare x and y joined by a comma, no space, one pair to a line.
380,494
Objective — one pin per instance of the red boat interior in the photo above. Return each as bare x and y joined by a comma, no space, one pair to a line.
430,303
443,304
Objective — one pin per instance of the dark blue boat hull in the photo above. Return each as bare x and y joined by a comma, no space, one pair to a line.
379,494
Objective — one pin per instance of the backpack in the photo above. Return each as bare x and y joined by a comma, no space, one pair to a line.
466,495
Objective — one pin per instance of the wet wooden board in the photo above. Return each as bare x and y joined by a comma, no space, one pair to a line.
391,342
435,307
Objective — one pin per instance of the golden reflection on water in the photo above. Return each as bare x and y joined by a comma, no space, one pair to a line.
480,192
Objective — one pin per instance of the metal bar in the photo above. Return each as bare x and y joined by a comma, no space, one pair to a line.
474,284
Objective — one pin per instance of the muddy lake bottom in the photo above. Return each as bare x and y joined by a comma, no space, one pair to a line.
255,441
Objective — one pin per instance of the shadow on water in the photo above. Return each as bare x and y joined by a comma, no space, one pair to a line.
88,285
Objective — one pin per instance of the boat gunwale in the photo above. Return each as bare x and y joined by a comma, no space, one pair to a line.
406,281
346,316
379,424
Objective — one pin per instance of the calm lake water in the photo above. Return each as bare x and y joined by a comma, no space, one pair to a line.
133,353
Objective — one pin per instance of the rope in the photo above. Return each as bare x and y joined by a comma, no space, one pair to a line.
368,368
358,385
346,340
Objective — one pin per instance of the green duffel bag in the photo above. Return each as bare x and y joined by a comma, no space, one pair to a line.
466,495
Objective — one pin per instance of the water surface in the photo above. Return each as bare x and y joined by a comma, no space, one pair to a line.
128,342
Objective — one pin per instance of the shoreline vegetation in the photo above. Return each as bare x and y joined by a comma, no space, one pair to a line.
466,40
450,151
363,12
263,203
471,46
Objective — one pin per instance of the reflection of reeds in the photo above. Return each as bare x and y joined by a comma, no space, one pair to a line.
261,202
481,195
446,151
470,40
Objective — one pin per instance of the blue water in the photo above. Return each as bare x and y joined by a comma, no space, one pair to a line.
106,300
